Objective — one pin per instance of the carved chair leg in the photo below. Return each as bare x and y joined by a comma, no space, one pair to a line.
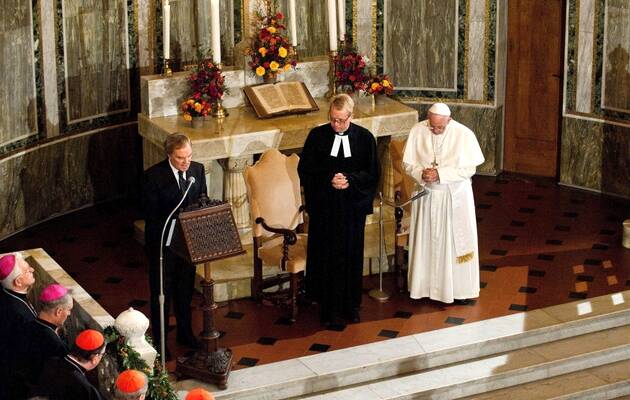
257,281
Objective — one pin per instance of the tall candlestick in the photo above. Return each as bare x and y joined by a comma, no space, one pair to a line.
293,17
216,32
341,10
332,25
166,28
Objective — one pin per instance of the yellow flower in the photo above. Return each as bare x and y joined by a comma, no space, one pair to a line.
287,67
198,107
190,102
187,117
260,71
262,51
271,29
375,86
282,52
274,66
385,83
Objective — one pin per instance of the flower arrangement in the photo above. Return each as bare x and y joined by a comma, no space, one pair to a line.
207,82
380,84
271,52
195,108
350,71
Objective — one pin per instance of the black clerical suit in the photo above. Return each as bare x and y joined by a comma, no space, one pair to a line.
37,342
64,379
161,193
15,312
334,263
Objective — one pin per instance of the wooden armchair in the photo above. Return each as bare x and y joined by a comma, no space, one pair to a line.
273,190
403,190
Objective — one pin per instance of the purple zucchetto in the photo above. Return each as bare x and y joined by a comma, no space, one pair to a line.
8,269
52,292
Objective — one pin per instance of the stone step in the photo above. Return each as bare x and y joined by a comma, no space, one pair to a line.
611,381
395,359
513,368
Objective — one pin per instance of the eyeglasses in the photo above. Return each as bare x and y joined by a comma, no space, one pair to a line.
339,121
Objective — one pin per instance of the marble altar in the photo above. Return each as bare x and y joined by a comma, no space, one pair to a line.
234,140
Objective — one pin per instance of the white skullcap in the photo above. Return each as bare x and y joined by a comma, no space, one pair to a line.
440,109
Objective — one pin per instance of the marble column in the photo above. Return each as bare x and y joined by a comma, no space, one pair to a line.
234,189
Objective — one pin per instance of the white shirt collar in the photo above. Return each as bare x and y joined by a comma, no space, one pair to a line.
175,172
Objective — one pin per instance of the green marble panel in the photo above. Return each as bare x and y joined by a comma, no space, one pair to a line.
596,156
18,102
96,58
66,175
487,124
420,44
616,94
312,26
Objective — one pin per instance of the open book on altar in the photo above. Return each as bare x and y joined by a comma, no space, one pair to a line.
273,99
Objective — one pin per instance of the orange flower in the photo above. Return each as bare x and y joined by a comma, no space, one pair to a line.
287,67
187,117
385,83
375,86
274,66
260,71
271,29
262,51
282,52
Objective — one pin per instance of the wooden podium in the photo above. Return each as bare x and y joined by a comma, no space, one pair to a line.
207,232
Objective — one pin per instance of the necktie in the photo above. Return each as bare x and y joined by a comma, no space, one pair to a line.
182,181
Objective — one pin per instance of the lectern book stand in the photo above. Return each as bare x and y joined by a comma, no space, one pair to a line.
207,232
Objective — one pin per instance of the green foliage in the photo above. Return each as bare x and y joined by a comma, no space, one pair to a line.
160,387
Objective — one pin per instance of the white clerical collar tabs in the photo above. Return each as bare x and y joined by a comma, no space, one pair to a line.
339,140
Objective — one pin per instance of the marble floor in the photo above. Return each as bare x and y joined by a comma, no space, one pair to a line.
540,244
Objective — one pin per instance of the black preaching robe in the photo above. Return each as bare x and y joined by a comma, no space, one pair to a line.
37,343
64,379
15,312
334,263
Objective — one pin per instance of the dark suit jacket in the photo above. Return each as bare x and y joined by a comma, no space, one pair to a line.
161,194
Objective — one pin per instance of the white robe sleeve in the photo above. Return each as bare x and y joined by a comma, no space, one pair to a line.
411,160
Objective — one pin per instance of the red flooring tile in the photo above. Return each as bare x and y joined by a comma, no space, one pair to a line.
532,235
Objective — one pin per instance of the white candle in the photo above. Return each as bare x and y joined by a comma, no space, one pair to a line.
332,25
166,28
216,31
293,17
341,10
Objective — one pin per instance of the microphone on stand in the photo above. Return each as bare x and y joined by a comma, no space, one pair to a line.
191,181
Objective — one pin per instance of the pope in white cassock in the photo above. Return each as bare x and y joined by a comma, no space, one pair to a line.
442,155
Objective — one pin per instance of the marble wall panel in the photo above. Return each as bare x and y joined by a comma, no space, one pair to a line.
616,68
312,26
65,175
420,43
486,122
595,155
96,56
191,30
18,103
364,29
586,36
476,50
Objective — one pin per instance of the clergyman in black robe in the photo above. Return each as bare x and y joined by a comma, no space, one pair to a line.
339,172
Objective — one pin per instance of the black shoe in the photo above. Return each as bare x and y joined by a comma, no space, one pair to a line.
189,341
353,316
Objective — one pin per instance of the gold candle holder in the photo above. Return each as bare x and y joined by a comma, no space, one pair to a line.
218,111
167,71
332,88
295,53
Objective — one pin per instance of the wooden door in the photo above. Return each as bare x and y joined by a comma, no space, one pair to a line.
533,103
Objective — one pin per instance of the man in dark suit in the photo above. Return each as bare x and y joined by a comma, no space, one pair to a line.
163,187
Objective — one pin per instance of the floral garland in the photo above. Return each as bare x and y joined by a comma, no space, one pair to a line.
352,74
271,52
127,358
